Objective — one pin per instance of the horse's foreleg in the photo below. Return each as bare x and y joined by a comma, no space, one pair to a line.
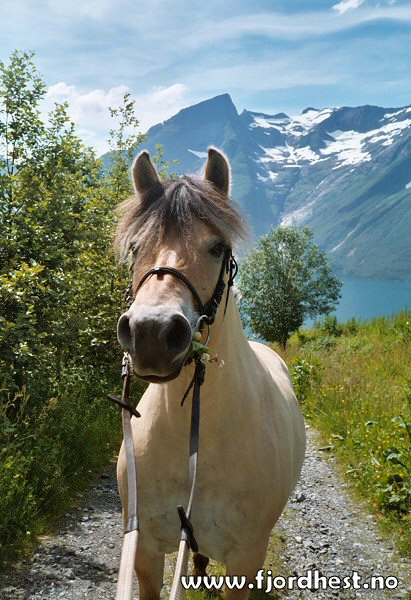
149,568
244,563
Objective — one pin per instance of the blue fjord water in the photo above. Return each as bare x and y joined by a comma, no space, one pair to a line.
368,298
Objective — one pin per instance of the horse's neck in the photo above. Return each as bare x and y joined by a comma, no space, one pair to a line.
229,352
228,341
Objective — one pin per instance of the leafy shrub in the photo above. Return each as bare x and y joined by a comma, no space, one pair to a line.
304,374
351,326
61,293
331,326
323,342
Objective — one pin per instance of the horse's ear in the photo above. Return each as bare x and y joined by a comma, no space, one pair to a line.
144,173
217,170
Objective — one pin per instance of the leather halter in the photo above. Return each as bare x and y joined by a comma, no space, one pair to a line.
209,309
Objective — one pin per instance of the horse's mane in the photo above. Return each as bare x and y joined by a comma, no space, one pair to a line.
145,219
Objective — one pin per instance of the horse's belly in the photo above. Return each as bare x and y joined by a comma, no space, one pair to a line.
218,529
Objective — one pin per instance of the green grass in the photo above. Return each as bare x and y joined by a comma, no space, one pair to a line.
48,456
354,383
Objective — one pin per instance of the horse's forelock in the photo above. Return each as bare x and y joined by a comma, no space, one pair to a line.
145,219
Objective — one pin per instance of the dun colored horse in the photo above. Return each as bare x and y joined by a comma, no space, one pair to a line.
252,436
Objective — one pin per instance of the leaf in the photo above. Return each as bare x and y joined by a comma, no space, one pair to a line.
394,458
326,448
198,348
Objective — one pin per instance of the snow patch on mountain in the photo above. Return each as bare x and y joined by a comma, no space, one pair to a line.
347,148
198,153
394,115
271,176
269,122
289,156
296,126
298,216
302,124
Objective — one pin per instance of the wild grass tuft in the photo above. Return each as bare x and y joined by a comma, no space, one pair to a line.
46,458
354,383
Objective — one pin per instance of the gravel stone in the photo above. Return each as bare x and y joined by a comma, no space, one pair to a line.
337,534
322,528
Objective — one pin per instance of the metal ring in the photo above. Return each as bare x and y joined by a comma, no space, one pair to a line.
197,325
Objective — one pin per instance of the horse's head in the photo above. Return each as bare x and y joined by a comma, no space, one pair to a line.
188,225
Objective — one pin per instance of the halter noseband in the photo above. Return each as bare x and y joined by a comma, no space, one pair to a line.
209,309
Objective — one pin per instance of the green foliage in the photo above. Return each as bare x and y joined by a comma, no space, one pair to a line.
361,402
46,458
164,166
284,280
61,293
331,326
123,141
304,374
352,326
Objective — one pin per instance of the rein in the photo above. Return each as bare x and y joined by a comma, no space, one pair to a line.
207,313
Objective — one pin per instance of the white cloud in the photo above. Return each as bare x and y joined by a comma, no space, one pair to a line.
345,5
89,109
278,26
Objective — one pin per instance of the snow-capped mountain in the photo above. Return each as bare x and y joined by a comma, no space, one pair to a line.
345,172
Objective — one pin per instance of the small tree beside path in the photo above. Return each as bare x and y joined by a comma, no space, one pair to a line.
284,280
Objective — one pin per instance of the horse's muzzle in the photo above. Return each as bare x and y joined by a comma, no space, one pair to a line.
157,340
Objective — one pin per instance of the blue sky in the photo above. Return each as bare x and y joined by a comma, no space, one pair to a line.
270,55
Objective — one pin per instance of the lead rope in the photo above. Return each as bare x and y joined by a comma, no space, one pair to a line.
187,539
129,547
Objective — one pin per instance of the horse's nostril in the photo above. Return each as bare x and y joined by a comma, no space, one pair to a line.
178,334
124,333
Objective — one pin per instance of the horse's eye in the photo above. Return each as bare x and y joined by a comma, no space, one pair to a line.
217,250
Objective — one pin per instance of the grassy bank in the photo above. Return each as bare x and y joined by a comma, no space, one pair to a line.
354,383
47,457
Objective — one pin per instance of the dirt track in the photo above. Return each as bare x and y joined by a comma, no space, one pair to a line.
322,527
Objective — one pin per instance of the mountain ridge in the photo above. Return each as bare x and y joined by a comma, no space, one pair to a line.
345,172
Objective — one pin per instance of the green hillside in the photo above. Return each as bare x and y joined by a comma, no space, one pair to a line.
353,381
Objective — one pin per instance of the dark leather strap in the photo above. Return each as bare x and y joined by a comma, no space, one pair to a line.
179,275
208,309
232,270
132,506
187,531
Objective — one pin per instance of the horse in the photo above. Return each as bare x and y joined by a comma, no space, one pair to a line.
252,433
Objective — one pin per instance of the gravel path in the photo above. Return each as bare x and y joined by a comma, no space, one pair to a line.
322,527
325,529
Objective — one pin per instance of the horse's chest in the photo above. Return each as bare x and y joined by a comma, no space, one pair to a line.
229,484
